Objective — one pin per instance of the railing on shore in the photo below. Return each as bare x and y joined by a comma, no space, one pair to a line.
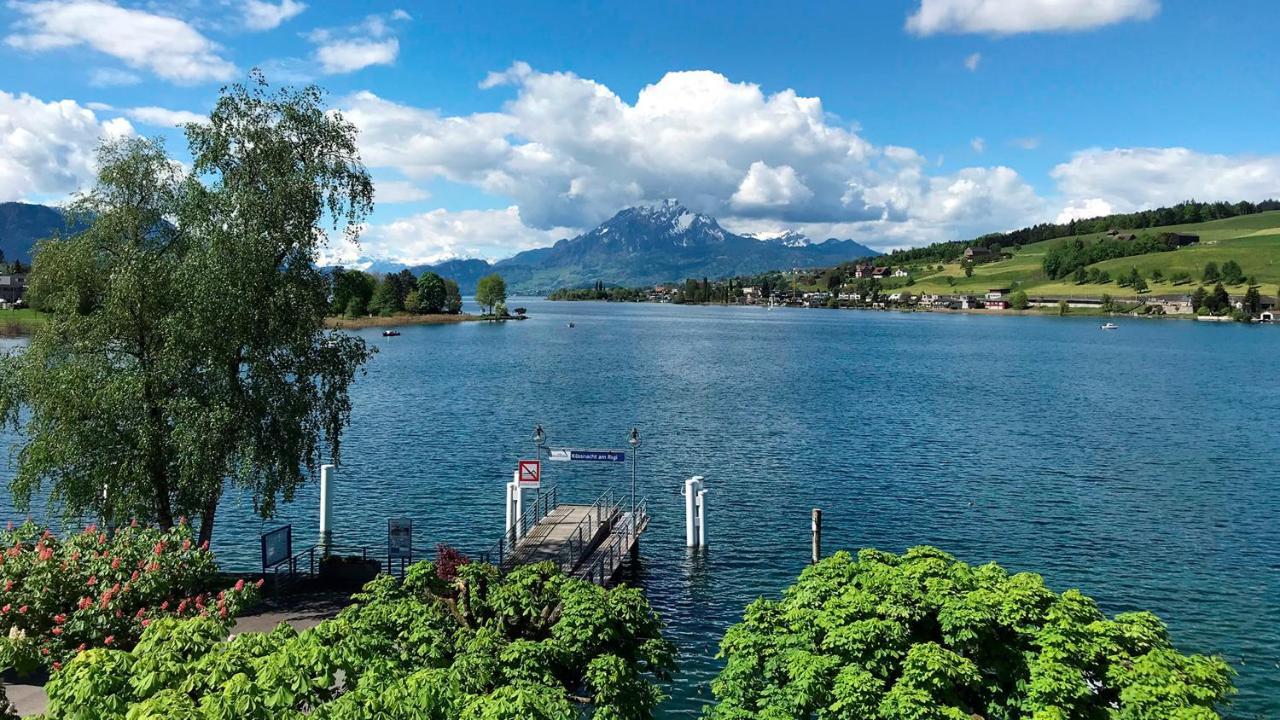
583,537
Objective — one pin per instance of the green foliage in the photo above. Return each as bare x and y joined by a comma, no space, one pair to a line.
531,645
1232,274
386,298
1018,300
431,290
491,290
1210,273
101,589
1069,256
185,349
452,297
351,293
923,637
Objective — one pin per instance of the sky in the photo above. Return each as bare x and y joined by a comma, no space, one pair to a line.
491,128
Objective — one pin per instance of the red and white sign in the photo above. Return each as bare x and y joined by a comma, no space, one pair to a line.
530,474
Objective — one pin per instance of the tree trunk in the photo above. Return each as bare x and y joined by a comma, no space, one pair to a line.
207,514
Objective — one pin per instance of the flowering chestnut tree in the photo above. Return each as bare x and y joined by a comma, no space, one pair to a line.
530,645
102,589
923,637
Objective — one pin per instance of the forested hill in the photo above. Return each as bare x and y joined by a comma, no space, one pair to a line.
1183,213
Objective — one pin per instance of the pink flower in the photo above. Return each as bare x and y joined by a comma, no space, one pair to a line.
134,576
260,582
204,546
239,584
82,647
159,548
115,563
22,610
108,639
44,651
85,603
57,631
93,580
8,585
57,665
146,622
59,618
5,609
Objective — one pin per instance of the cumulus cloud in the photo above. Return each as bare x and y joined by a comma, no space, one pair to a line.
978,145
972,61
1084,208
370,42
1128,179
398,191
439,235
261,15
112,77
47,148
157,116
166,46
1008,17
569,152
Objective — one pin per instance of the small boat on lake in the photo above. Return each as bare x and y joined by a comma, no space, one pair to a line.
1109,326
569,325
390,333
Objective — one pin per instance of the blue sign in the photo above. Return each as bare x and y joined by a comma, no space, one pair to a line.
589,455
277,546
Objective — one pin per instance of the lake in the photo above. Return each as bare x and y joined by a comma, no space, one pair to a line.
1137,465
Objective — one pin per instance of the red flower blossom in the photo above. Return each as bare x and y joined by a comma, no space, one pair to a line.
204,546
93,580
8,585
108,639
134,576
85,603
5,609
44,651
146,622
57,665
59,618
260,582
239,584
115,563
56,631
82,647
22,610
159,548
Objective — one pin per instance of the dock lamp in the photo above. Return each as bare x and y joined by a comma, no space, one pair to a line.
539,437
635,445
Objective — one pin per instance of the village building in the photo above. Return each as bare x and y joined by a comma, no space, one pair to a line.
978,254
12,287
901,272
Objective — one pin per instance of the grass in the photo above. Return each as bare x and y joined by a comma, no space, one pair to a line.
1253,241
19,322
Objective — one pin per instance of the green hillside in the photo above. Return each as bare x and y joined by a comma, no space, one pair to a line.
1253,241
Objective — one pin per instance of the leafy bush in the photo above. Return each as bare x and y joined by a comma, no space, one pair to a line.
922,636
100,589
532,644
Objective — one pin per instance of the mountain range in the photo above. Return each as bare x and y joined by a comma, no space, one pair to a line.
651,244
639,246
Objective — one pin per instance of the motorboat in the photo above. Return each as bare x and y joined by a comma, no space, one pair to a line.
390,333
1109,326
569,325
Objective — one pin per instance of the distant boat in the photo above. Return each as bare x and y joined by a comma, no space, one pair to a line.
390,333
570,325
1110,326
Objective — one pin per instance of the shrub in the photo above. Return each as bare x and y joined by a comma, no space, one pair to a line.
101,589
532,644
923,636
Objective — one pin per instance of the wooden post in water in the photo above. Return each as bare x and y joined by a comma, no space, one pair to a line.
817,535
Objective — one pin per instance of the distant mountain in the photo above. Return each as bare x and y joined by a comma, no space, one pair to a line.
654,244
22,224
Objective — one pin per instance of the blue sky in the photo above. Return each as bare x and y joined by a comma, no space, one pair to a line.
494,127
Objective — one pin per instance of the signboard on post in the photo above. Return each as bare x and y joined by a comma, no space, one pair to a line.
529,475
400,538
277,547
567,455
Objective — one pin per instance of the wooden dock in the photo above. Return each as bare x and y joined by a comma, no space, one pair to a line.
586,541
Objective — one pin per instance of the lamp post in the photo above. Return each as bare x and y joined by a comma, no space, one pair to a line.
635,445
539,437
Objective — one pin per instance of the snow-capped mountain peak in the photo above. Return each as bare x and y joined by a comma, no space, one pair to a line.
786,238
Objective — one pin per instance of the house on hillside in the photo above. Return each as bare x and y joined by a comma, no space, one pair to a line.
1126,236
863,271
977,254
880,272
901,272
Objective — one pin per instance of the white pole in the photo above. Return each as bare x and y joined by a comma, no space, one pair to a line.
515,504
692,529
702,516
326,507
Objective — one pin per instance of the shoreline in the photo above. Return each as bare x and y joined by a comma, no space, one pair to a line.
334,322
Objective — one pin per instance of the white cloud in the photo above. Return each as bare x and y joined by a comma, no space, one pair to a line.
164,117
1026,143
112,77
439,235
569,153
1084,208
344,56
1007,17
390,192
769,187
260,15
166,46
369,42
978,144
47,148
972,61
1128,179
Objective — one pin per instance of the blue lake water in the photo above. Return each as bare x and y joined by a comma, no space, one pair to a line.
1138,465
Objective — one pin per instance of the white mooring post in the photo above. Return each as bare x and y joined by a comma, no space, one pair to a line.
695,512
326,507
515,504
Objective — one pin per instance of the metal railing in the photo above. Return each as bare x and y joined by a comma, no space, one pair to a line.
498,553
606,560
583,537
